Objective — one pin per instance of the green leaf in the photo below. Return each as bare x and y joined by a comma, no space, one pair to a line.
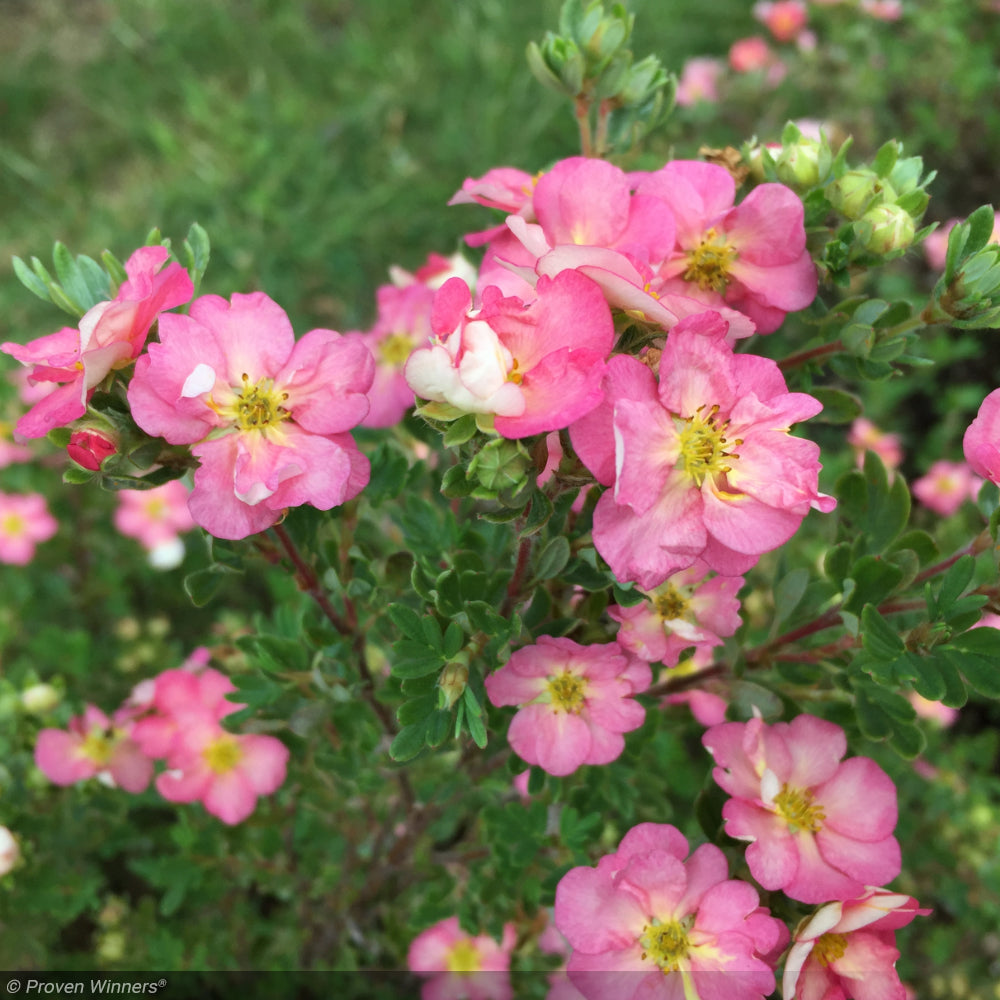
417,709
788,593
197,251
114,267
980,224
839,407
908,741
474,718
977,655
927,679
885,158
76,476
409,741
438,727
30,280
454,639
69,277
553,558
461,430
449,595
874,579
538,514
406,620
953,584
878,637
201,586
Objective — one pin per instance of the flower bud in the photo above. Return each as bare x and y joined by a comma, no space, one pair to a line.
501,465
798,164
452,682
89,448
852,194
886,228
40,698
9,850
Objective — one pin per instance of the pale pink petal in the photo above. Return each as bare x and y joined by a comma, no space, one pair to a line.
263,762
859,780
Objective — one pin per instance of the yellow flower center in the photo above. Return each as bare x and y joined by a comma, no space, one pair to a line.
395,349
671,603
702,444
258,406
567,692
796,808
666,944
464,957
97,746
709,262
514,375
829,948
13,525
223,754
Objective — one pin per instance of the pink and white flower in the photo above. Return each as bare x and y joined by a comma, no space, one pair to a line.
576,702
535,367
702,463
156,518
847,949
94,746
687,609
751,257
946,486
111,336
24,522
651,922
819,828
462,966
269,416
699,81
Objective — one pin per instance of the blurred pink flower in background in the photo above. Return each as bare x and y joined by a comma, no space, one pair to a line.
24,522
936,244
156,518
946,486
10,852
785,19
883,10
462,965
699,81
94,746
933,710
865,436
981,442
749,54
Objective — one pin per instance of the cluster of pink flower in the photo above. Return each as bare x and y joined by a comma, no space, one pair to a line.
652,921
787,21
268,418
175,717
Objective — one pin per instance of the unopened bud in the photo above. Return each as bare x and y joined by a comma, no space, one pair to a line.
886,228
852,194
40,698
452,682
89,448
9,850
501,465
798,164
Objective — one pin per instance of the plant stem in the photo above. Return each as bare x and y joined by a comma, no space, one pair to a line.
804,357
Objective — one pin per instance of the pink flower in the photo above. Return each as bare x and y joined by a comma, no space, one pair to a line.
785,19
752,257
982,438
93,745
111,336
89,448
747,55
505,188
865,436
847,949
936,712
226,772
688,609
819,829
702,464
24,522
936,244
575,702
461,965
270,414
154,517
699,81
403,324
946,486
11,452
535,367
883,10
646,923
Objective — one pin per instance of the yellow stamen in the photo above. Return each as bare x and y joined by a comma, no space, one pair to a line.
702,443
395,349
567,692
671,603
223,754
464,957
829,948
257,406
795,806
709,263
666,944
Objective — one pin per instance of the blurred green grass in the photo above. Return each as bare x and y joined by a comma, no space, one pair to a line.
317,142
